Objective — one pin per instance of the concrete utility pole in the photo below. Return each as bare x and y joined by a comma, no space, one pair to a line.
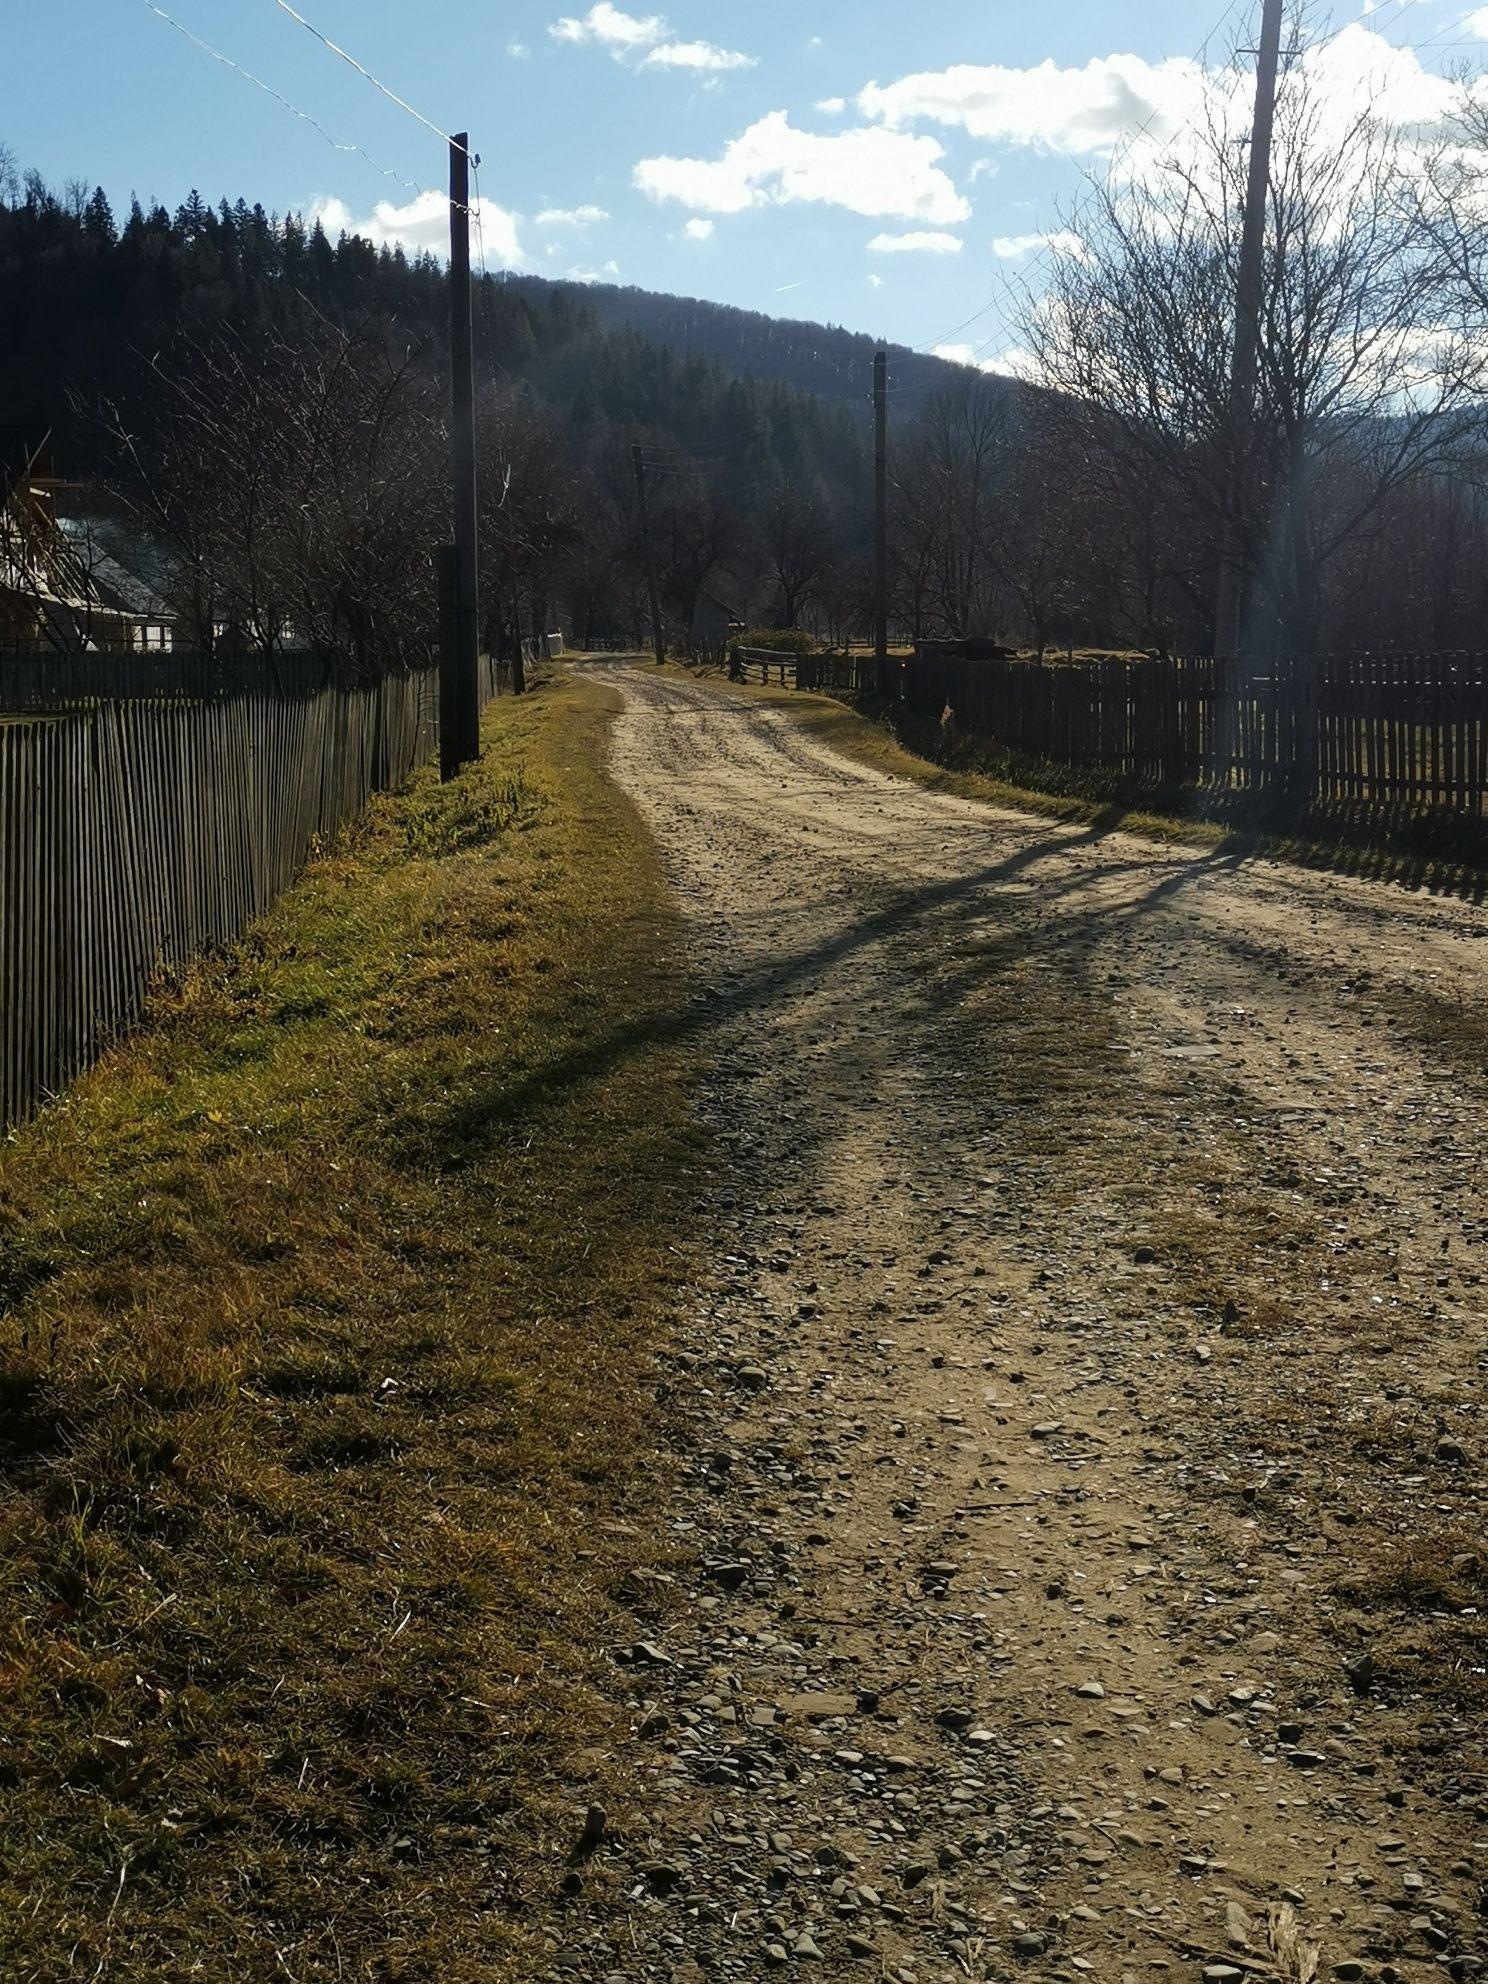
658,637
881,522
1229,611
460,693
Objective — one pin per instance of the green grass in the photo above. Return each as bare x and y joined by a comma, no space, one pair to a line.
326,1306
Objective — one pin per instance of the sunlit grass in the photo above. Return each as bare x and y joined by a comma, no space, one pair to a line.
327,1304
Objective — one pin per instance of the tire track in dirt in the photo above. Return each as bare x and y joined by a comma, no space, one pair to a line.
1089,1373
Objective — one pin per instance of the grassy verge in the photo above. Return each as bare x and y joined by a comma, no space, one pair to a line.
325,1315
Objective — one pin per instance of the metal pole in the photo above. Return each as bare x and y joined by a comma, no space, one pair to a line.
467,537
1250,286
658,639
881,522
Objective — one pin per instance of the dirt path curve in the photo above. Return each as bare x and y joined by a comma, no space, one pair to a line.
1089,1375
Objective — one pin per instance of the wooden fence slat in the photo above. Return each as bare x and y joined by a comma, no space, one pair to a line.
151,806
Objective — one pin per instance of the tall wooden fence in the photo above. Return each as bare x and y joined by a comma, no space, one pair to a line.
1404,732
152,807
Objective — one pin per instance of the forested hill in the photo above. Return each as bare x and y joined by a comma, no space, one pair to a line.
814,358
88,299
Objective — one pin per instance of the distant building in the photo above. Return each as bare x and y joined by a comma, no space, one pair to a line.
67,582
714,624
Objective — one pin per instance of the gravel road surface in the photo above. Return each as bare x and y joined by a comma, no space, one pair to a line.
1075,1564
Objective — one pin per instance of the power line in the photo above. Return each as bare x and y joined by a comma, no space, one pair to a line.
336,50
336,144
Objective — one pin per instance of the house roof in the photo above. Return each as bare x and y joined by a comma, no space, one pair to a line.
722,605
21,449
127,569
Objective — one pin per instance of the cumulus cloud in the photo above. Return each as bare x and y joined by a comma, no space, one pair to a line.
923,243
699,230
832,106
423,224
873,171
696,55
611,27
1477,23
1078,110
627,35
1014,363
1013,247
1124,103
607,274
571,217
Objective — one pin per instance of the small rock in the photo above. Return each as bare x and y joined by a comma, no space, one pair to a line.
806,1948
1092,1691
594,1825
1030,1944
1360,1672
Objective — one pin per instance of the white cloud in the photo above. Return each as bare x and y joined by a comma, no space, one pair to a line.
1123,103
611,27
962,354
696,55
699,230
1078,110
924,243
518,51
875,282
832,106
607,274
874,172
1477,23
571,217
1014,363
423,224
627,34
1013,247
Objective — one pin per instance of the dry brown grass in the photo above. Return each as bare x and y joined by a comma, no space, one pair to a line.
324,1354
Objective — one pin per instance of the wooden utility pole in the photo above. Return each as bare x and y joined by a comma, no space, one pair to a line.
881,523
464,692
1250,296
447,574
658,638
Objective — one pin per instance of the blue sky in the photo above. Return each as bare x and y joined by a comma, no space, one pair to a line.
885,167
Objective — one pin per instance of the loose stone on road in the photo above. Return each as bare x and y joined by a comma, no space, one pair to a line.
1093,1340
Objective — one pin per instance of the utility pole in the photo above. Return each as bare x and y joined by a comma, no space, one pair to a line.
658,638
463,699
1229,611
881,523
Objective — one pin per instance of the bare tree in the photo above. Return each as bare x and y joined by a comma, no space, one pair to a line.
298,489
797,547
536,517
1366,374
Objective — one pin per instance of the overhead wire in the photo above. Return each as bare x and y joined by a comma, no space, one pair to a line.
351,61
227,61
337,144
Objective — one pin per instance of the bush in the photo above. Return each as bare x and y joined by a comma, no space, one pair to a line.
778,640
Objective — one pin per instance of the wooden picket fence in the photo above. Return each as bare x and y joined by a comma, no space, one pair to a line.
150,808
1407,733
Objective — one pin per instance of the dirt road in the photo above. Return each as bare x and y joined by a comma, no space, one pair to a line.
1077,1570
